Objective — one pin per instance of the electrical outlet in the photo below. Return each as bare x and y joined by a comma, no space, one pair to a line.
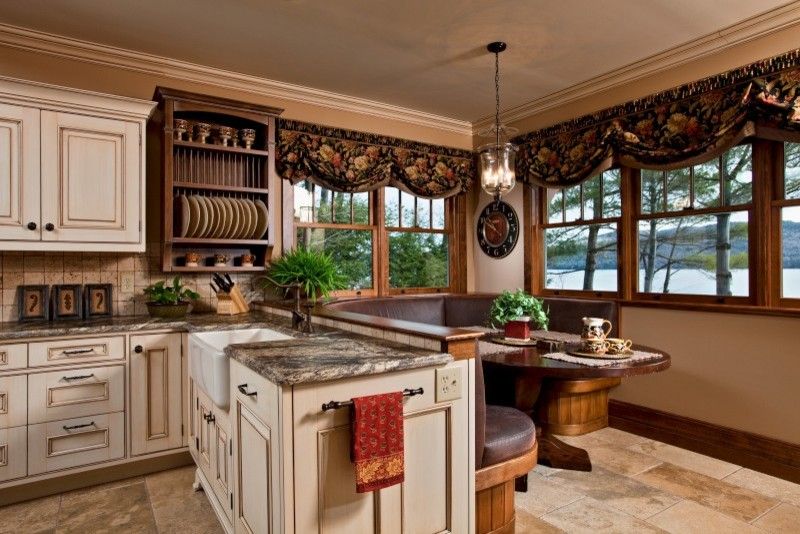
448,384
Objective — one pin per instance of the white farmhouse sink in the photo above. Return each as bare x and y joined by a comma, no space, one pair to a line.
209,366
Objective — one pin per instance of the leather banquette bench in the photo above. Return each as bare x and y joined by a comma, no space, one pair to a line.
505,438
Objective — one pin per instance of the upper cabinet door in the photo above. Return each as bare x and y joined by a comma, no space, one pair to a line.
19,173
91,179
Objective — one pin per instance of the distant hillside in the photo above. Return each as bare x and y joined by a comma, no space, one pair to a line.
700,239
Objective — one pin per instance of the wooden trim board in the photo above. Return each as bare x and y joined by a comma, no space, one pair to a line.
754,451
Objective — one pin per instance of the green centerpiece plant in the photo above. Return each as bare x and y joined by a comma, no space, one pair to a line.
511,306
169,301
313,271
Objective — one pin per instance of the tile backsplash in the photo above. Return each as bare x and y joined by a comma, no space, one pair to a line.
128,273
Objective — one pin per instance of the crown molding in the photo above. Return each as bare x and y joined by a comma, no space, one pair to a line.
79,50
742,32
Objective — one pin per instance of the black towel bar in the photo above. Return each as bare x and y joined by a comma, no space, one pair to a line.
335,405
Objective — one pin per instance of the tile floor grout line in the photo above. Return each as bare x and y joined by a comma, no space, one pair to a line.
681,499
150,502
777,504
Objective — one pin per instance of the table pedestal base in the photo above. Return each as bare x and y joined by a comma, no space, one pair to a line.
574,407
559,455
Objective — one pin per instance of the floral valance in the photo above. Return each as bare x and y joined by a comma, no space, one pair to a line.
670,129
350,161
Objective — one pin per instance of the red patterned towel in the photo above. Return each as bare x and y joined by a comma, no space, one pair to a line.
378,441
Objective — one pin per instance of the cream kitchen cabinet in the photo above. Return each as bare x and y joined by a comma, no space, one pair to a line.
76,173
156,386
292,468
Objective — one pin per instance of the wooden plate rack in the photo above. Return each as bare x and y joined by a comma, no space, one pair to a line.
213,169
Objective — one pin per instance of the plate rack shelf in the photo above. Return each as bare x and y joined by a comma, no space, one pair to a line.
218,182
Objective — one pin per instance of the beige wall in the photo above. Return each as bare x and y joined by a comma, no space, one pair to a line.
722,373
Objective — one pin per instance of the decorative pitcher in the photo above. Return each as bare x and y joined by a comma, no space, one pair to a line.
595,328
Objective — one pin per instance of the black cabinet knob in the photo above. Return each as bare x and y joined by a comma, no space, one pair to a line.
49,227
138,349
31,226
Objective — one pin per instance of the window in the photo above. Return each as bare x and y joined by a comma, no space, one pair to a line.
789,207
418,241
411,251
580,235
341,225
693,227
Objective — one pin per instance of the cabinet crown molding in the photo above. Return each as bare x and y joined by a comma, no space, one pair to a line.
58,98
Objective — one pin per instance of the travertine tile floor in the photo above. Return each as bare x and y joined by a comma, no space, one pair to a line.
637,486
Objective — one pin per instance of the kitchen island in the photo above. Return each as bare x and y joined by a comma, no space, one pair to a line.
276,460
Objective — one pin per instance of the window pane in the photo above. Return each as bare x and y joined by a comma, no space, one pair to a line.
582,257
303,211
706,185
792,173
738,175
341,208
322,205
361,208
681,255
678,189
423,213
652,191
572,205
392,206
418,259
790,236
555,212
612,199
438,213
591,198
408,209
351,251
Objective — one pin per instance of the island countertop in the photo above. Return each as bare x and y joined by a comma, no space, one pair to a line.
330,355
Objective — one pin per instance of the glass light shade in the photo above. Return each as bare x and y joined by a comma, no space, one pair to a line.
497,168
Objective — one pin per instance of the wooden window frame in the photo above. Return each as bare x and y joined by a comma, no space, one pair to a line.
778,201
454,229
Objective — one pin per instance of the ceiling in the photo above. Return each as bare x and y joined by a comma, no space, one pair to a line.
420,54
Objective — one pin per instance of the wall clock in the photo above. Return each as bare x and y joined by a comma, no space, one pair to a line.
498,229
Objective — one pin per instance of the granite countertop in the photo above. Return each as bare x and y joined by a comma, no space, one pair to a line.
330,355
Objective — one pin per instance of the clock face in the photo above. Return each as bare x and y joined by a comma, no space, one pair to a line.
498,229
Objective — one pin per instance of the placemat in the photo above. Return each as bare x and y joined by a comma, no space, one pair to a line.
638,355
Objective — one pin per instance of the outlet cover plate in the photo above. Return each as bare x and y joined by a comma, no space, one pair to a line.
448,384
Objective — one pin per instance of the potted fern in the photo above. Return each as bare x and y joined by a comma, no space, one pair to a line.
312,272
515,311
169,301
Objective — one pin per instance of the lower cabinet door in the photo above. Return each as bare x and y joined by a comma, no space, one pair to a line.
222,464
75,442
156,393
434,496
254,505
13,453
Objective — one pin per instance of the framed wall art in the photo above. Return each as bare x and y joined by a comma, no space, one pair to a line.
67,301
97,300
33,303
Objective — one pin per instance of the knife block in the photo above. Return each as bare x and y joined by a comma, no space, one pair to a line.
231,303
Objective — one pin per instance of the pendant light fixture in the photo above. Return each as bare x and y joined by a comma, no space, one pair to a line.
497,158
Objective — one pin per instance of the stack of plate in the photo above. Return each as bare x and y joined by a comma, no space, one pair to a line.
215,217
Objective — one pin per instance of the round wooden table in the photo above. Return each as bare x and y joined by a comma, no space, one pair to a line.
562,398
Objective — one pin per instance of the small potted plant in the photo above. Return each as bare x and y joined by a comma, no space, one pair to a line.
169,301
514,312
313,272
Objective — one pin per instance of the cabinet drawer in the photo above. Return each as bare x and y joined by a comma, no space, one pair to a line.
75,442
85,350
13,401
255,392
14,356
13,453
74,393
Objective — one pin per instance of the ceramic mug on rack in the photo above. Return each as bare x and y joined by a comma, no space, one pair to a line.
220,260
192,259
595,327
248,260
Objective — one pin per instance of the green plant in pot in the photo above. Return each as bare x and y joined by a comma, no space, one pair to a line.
313,272
515,312
169,301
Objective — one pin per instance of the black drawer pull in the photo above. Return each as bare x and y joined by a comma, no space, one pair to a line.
76,351
79,377
209,418
243,391
75,427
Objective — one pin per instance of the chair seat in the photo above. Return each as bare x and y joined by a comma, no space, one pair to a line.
509,433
